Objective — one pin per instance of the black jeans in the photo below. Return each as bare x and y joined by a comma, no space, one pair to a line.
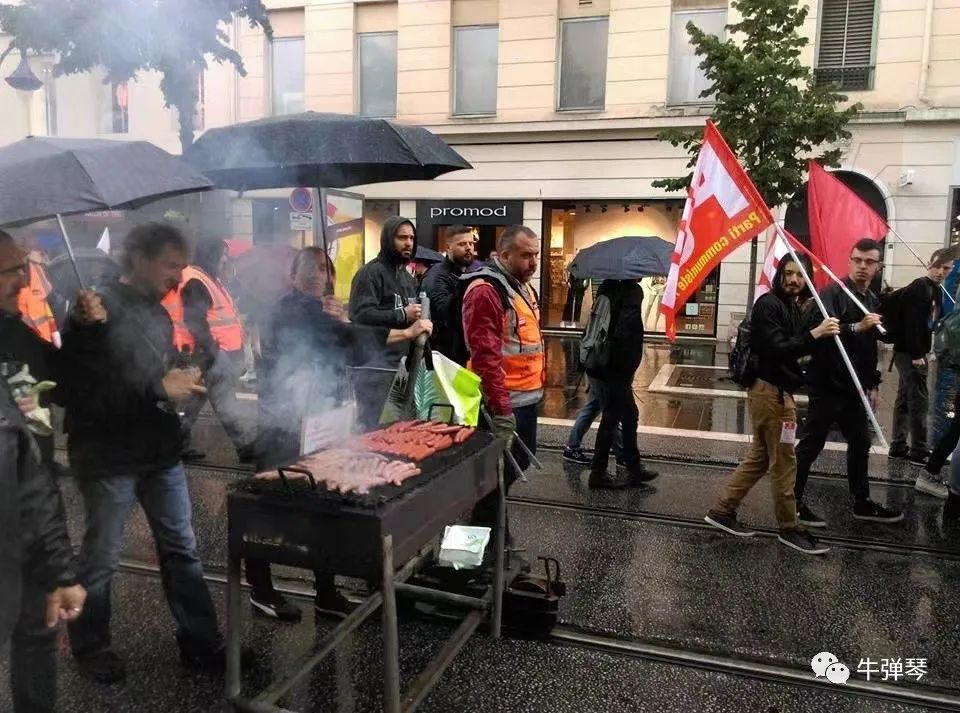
485,512
910,410
847,412
619,409
33,655
371,387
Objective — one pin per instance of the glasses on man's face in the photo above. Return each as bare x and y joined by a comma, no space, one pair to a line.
868,261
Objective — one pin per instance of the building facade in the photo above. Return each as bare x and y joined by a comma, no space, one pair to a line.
557,104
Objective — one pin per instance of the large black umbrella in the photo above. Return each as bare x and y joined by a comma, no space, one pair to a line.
320,150
42,177
626,258
427,255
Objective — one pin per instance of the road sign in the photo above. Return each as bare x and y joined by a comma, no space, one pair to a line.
301,221
301,200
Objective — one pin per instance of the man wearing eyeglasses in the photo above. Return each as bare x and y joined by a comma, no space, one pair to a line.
834,398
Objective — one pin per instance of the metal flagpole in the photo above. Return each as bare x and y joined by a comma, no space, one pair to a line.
921,261
73,258
843,352
832,276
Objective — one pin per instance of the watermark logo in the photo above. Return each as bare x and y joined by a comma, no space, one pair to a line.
826,665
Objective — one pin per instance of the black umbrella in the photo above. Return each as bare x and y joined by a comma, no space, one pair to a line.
95,266
43,177
626,258
320,150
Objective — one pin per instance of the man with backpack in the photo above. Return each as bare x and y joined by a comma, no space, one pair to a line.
612,356
835,398
916,310
779,338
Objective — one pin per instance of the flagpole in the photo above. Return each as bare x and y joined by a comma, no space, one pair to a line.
843,352
920,260
790,241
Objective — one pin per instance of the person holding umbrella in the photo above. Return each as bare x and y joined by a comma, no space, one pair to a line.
122,394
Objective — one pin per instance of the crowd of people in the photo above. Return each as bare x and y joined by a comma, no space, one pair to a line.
135,360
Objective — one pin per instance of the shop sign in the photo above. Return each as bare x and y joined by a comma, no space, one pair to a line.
470,212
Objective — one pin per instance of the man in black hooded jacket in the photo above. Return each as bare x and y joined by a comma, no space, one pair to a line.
778,339
382,295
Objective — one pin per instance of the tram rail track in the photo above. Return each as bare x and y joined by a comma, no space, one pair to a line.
926,695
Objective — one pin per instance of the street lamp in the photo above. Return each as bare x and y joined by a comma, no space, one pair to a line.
22,77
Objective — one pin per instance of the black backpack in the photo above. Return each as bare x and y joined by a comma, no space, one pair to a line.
743,362
595,342
891,309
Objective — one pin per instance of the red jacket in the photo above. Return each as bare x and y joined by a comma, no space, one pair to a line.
483,314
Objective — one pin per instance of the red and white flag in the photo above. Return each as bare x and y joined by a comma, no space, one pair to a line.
724,210
776,251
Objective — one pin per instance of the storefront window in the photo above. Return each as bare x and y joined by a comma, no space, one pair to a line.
572,227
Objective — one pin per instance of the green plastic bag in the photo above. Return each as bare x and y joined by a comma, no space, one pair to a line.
439,389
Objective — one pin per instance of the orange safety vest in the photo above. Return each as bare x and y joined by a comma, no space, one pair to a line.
34,307
222,316
524,363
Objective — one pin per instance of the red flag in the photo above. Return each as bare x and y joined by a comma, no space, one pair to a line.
838,219
724,210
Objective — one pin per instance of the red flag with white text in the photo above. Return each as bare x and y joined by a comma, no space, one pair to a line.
776,251
723,211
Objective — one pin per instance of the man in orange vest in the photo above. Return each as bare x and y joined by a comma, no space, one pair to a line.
501,326
34,304
207,332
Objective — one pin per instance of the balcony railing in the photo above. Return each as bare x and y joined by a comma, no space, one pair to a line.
850,79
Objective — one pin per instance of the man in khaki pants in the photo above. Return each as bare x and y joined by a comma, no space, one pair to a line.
777,340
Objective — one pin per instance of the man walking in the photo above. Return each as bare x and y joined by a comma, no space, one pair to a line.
779,338
917,309
501,325
37,587
122,398
383,294
620,406
207,327
834,398
442,285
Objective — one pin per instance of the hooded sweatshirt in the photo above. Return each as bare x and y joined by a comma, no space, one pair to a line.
779,337
381,288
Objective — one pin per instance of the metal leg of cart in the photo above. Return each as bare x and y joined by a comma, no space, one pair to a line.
496,613
391,637
233,627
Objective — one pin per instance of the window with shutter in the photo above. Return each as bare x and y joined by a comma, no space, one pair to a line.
845,49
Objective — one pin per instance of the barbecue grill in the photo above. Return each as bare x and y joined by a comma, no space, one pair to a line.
384,537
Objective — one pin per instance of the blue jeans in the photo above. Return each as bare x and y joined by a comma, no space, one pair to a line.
596,399
943,395
955,472
165,501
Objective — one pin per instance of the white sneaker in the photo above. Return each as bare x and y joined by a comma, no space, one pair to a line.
927,484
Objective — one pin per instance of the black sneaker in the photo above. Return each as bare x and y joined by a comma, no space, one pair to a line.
102,667
275,606
869,510
809,518
640,474
902,453
576,455
919,459
332,605
802,542
606,481
951,508
728,523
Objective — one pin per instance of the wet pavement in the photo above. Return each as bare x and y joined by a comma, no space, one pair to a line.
642,568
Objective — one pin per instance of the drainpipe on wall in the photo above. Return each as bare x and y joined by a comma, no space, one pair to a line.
236,74
925,53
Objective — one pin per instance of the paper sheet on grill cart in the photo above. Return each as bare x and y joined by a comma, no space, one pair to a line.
462,546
